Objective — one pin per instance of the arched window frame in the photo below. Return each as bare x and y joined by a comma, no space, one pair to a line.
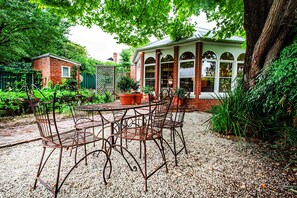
151,77
215,77
225,78
166,76
240,62
192,59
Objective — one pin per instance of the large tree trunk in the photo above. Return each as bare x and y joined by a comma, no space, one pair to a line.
268,24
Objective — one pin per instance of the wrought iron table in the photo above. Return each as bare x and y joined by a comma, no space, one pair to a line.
117,110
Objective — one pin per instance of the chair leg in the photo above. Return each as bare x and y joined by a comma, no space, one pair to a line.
174,146
183,139
85,148
163,154
57,187
145,167
39,168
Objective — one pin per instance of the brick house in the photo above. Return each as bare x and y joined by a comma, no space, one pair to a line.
205,66
54,68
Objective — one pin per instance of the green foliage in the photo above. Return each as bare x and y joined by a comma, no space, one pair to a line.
276,95
147,89
19,75
179,29
15,102
12,101
125,84
27,31
268,110
231,115
125,58
228,15
134,22
180,92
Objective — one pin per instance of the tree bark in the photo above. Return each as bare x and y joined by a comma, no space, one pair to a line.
266,33
255,14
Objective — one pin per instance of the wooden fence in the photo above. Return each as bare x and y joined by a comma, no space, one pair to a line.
11,79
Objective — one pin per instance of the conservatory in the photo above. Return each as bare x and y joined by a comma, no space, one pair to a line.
201,64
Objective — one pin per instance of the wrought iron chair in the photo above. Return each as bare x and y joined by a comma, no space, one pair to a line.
53,139
143,127
83,120
175,121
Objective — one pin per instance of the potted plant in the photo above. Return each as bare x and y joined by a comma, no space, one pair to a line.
130,91
137,94
147,90
125,85
179,96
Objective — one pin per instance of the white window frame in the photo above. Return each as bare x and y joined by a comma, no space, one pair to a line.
160,69
182,61
212,95
233,75
62,74
215,76
146,65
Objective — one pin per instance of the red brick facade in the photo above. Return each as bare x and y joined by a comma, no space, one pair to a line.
51,68
133,72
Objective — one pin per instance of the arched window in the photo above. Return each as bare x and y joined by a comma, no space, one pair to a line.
227,56
167,58
241,57
240,64
166,74
225,72
208,73
187,71
150,60
149,71
187,56
209,55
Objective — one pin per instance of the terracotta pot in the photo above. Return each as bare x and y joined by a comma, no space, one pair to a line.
126,99
138,98
177,101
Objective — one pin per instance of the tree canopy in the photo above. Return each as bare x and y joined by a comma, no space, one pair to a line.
26,31
268,24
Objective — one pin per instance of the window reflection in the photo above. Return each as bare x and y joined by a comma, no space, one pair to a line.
149,72
187,71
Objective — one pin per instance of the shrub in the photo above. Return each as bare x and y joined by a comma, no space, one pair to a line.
231,115
268,110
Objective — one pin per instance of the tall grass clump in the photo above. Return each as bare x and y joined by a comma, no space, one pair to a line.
231,115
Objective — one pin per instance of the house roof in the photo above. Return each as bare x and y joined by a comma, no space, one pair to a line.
57,57
200,34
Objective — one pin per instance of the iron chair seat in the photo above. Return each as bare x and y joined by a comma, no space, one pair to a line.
141,133
70,139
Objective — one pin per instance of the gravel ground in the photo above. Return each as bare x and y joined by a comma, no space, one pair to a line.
213,167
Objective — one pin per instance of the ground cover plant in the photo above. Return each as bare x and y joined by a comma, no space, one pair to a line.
16,102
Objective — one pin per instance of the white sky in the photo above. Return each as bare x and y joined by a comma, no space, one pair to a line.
101,45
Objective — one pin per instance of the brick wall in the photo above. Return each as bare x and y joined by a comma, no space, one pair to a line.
56,71
51,69
133,72
201,104
43,65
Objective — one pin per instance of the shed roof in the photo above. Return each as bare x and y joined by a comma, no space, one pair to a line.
57,57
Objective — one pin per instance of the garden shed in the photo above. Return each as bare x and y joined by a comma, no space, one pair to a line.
201,64
55,68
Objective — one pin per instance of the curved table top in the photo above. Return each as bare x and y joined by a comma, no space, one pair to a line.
112,106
